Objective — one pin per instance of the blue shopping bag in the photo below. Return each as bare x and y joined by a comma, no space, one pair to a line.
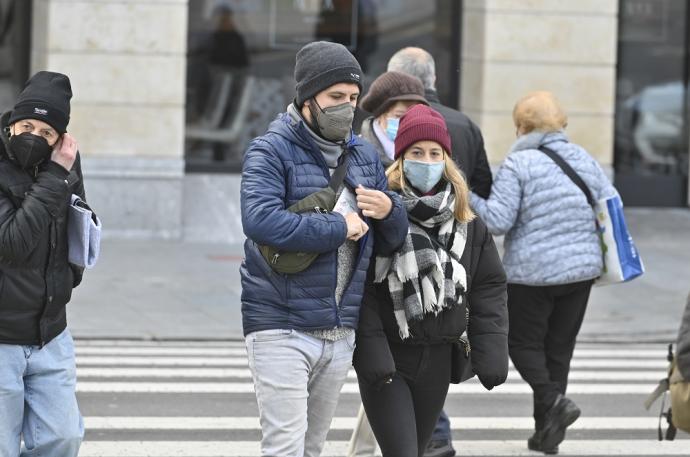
622,261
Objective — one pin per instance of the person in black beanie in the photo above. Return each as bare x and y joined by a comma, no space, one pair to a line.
39,172
300,327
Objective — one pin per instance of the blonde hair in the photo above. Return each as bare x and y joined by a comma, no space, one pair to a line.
452,174
539,110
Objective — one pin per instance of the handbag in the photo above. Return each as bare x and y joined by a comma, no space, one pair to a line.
621,259
83,234
323,201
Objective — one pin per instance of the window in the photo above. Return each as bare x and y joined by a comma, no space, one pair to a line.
241,56
15,51
651,134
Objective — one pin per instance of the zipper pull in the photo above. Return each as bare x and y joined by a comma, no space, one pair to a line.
275,258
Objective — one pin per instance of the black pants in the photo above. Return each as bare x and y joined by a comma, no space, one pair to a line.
544,322
403,413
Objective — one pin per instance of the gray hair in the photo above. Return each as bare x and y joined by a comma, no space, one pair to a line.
416,62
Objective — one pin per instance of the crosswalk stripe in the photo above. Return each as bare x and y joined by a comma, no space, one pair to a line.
348,423
338,448
219,373
148,350
242,361
162,351
348,388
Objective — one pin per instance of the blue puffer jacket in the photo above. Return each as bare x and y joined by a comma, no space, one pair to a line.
549,228
280,168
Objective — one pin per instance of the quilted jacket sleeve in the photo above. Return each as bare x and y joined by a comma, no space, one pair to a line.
372,359
391,231
488,326
21,228
501,209
264,217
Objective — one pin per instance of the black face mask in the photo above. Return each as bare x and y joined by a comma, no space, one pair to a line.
29,150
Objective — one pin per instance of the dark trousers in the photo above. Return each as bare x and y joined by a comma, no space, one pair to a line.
403,413
544,322
442,429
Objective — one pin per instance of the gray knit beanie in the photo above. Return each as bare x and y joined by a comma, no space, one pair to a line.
321,64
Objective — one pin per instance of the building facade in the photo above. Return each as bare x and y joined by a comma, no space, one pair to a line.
167,93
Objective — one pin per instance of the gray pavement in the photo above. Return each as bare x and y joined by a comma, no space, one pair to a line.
146,289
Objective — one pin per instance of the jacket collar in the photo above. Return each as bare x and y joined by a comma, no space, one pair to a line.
536,139
431,96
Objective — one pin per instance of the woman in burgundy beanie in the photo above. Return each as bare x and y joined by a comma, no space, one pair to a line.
444,281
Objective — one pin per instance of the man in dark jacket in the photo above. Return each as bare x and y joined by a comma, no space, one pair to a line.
468,153
299,327
467,140
39,171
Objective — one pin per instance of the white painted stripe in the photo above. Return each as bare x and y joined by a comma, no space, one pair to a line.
626,353
338,448
348,423
244,373
630,364
349,388
162,351
153,343
239,350
163,361
618,363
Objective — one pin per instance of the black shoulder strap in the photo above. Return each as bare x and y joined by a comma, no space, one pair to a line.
339,174
572,174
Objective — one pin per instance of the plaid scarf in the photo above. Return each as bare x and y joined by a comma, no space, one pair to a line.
422,276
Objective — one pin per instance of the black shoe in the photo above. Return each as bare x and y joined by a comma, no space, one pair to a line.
559,417
534,443
439,448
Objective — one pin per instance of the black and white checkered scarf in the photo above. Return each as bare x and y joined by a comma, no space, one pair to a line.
422,276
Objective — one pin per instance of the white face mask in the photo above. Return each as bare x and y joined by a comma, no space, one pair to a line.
423,175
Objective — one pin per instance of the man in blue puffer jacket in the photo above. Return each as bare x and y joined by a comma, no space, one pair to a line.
299,328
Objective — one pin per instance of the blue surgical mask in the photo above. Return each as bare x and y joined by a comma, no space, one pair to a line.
423,175
392,127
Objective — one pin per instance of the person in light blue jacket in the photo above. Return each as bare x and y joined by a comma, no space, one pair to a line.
552,255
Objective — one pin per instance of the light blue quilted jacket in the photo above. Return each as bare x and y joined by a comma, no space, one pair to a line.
549,227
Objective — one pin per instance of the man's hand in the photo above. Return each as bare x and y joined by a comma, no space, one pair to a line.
356,228
373,203
65,151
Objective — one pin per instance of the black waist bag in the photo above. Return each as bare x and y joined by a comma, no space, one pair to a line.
319,202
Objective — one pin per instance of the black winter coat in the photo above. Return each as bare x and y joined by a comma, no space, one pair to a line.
36,279
488,317
468,146
683,344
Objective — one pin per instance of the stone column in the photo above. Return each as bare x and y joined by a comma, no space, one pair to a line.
126,60
511,47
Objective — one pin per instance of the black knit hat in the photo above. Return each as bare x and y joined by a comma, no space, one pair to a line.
45,97
321,64
390,87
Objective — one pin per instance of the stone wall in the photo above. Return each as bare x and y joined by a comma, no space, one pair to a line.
126,60
511,47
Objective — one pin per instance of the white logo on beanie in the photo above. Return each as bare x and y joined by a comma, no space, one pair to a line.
355,75
41,111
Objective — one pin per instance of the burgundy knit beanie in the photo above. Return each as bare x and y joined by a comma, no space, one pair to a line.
421,123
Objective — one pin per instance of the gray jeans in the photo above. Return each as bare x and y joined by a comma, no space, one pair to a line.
297,379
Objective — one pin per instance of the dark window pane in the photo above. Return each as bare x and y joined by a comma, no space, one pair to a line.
15,23
651,146
242,55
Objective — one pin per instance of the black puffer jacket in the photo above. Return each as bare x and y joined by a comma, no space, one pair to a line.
36,279
468,146
683,343
488,321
